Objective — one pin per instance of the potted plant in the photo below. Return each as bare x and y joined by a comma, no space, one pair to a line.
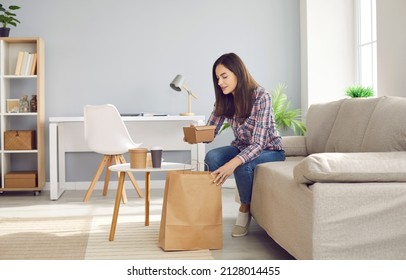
7,17
285,117
359,91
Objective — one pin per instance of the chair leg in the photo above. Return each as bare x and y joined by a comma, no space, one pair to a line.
133,181
124,194
96,178
107,176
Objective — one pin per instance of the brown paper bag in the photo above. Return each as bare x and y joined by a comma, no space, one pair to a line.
191,212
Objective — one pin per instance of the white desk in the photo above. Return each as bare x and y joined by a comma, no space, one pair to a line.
66,135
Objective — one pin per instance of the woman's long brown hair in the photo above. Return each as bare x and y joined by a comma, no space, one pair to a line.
240,103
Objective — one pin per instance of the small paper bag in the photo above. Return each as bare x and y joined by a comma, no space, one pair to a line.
191,212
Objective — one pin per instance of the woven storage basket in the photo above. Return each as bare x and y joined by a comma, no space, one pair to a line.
19,140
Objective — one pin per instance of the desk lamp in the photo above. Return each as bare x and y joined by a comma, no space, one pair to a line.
177,84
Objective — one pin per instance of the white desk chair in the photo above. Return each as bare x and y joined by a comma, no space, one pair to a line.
106,134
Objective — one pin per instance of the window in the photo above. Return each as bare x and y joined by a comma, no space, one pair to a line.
366,43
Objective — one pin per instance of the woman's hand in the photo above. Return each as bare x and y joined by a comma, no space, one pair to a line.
225,171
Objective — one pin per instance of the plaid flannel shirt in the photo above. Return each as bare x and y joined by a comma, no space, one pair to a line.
257,132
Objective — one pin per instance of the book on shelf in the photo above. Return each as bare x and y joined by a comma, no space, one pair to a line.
33,64
26,63
27,68
19,63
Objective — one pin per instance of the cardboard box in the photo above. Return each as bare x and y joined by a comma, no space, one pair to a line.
20,179
199,134
20,140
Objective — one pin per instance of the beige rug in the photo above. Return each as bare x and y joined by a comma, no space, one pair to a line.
78,238
132,241
44,238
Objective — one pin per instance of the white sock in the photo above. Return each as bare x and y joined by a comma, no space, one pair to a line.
242,219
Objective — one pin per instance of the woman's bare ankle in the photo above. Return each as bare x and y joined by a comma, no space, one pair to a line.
244,208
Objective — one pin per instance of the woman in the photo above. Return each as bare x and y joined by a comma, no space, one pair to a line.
247,107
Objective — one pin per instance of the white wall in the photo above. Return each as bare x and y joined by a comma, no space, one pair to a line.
327,50
391,46
126,52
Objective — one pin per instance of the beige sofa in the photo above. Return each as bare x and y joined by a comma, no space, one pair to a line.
341,193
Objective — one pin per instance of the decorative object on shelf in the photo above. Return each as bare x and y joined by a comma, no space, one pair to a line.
33,103
7,17
13,105
359,91
24,106
178,84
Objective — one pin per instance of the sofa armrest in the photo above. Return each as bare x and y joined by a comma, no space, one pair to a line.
294,145
352,167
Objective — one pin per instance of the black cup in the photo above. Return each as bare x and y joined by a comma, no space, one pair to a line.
156,156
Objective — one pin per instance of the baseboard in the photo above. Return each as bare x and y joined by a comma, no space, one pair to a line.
230,183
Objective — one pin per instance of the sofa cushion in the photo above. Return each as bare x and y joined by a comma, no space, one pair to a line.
294,145
352,120
352,167
386,130
319,123
357,125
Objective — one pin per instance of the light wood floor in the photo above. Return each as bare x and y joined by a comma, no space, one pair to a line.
257,245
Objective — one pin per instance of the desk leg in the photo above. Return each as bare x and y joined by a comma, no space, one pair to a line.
55,190
147,196
117,205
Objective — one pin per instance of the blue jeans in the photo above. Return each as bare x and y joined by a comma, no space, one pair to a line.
243,174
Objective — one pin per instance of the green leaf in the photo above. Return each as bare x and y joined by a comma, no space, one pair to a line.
7,17
357,91
286,118
224,127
